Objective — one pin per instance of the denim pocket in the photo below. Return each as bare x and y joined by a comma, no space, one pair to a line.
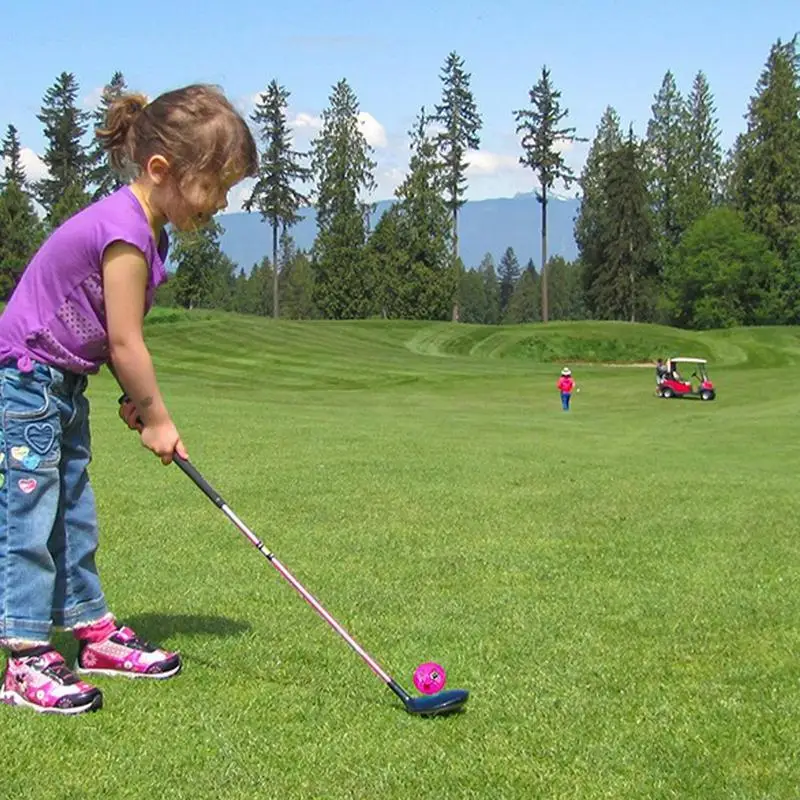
31,423
24,395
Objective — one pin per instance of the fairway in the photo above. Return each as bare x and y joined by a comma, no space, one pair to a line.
617,586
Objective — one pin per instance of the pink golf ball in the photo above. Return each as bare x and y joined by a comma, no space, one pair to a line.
429,677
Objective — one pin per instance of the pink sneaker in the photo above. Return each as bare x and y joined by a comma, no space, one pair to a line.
124,653
47,685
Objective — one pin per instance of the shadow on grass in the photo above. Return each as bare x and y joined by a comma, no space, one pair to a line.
163,626
158,627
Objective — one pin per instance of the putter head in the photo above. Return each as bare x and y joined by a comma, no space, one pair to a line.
440,703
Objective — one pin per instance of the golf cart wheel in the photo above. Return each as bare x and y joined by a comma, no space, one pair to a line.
706,394
666,393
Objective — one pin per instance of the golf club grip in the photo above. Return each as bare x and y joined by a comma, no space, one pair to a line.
207,489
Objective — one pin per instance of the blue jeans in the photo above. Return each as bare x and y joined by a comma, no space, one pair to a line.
565,400
48,521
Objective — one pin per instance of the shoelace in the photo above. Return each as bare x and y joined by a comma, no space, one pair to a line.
135,643
59,671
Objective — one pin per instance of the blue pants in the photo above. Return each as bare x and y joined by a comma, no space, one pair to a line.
48,521
565,396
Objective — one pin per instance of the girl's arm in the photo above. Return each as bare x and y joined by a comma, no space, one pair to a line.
125,277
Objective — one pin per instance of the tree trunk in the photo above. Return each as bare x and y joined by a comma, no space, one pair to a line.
544,255
455,264
275,308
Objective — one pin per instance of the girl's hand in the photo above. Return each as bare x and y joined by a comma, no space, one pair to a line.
164,440
129,415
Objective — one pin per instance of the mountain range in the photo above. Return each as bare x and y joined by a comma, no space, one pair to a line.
485,226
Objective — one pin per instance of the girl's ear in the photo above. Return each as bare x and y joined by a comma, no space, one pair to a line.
157,169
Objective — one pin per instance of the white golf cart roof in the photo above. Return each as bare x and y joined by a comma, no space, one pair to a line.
690,360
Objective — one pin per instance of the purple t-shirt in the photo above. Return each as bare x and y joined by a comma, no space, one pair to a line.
56,314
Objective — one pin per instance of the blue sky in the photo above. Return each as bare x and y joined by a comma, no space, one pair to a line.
600,53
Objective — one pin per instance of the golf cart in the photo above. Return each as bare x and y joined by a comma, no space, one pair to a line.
672,384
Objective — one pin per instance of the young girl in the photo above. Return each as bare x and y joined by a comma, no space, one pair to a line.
80,304
565,385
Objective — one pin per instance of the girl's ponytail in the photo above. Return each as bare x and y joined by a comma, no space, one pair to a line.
118,137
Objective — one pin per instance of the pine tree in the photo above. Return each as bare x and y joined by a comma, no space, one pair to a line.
703,153
591,214
627,243
286,254
101,177
561,288
460,123
766,182
64,191
72,201
298,288
491,289
524,303
427,288
223,283
536,287
735,177
21,231
565,289
259,287
388,261
21,234
541,138
668,166
509,273
789,287
244,300
344,284
472,297
274,193
203,273
11,151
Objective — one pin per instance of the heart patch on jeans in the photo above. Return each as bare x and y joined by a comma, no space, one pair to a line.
40,436
27,484
19,453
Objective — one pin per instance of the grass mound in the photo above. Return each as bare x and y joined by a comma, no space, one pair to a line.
588,342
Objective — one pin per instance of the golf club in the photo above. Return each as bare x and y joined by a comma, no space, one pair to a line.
430,705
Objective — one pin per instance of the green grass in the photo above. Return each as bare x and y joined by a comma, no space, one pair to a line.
617,586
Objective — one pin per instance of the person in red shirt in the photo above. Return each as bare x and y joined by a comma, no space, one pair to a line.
565,386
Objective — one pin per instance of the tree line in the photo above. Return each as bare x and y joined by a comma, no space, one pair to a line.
670,228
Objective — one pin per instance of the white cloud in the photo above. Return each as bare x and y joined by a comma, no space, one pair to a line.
375,134
303,120
35,168
565,146
386,181
484,162
306,124
238,195
373,131
305,127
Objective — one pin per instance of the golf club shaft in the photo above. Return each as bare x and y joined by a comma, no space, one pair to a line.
214,496
217,500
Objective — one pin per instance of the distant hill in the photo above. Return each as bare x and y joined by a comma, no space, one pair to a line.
484,226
